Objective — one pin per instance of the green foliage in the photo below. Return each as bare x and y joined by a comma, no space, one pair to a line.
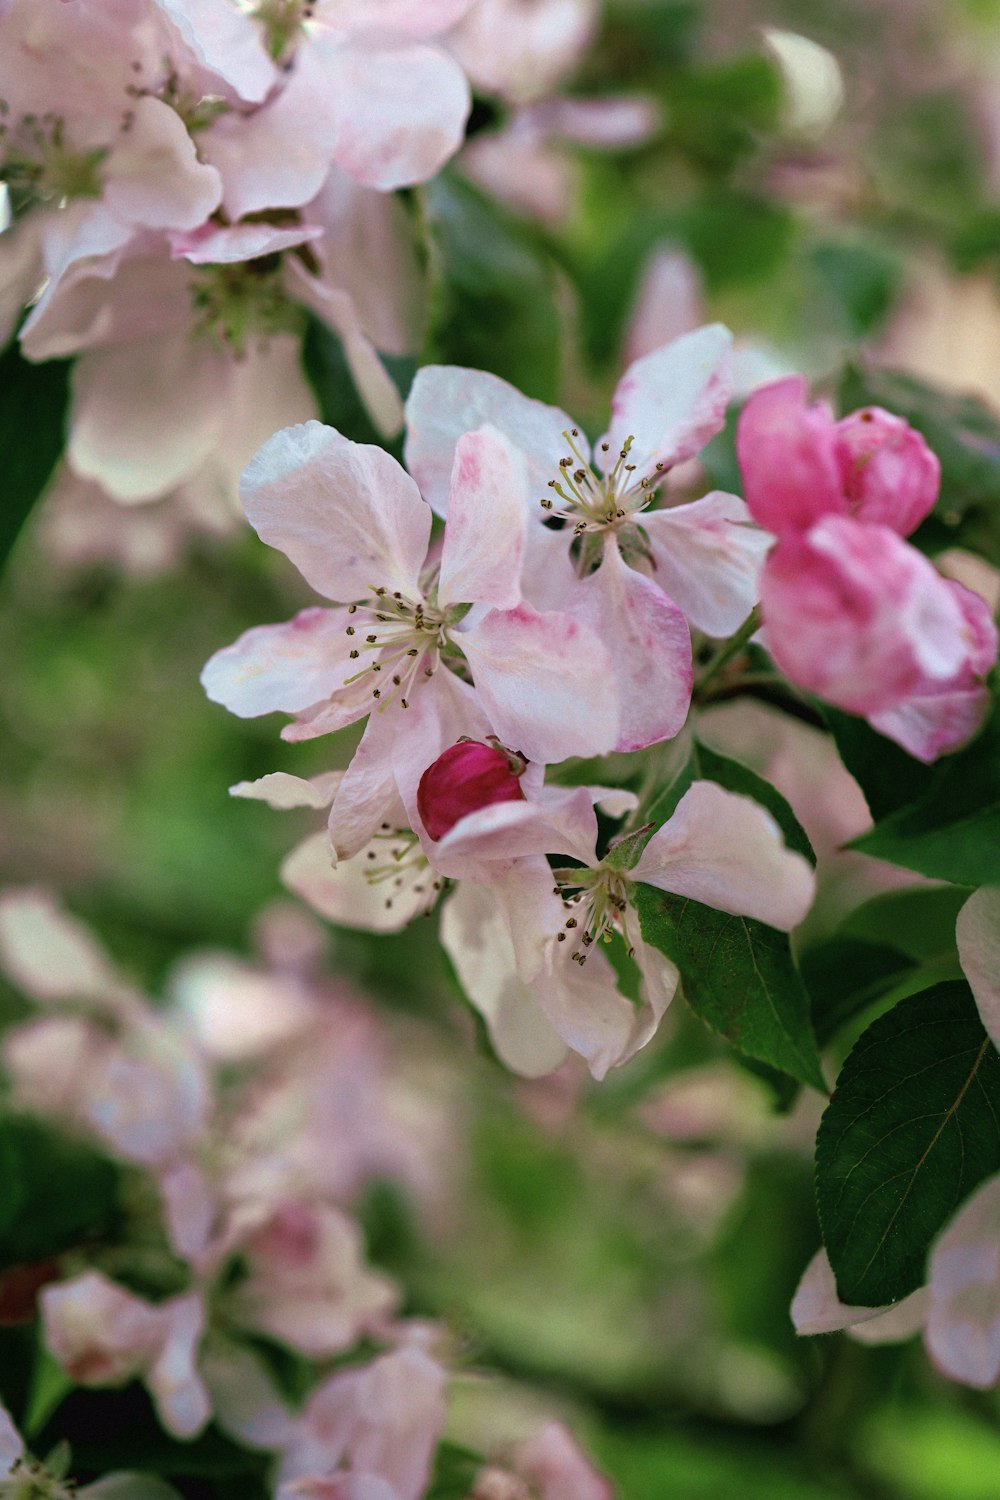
455,1470
964,433
952,830
493,291
57,1191
910,1131
845,975
336,394
739,977
719,114
860,279
33,400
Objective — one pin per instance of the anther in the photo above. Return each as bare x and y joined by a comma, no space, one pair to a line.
354,655
371,639
350,630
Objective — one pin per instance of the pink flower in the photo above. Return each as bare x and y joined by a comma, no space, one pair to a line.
354,523
631,573
851,611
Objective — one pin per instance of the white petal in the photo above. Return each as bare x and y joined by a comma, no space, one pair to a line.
287,667
11,1445
445,401
963,1327
484,537
368,795
674,400
281,790
345,513
816,1308
726,851
978,933
708,558
179,1395
344,894
212,244
585,1007
476,939
227,42
48,953
546,681
153,177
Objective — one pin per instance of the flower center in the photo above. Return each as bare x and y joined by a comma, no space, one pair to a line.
594,901
400,865
39,166
405,639
595,502
282,22
235,302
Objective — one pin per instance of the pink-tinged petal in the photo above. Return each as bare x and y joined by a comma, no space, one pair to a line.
476,938
107,298
346,706
708,558
546,682
400,17
858,616
216,244
978,934
237,1012
523,52
585,1007
278,156
100,1333
345,513
383,1418
611,122
816,1308
668,304
227,42
281,790
788,458
11,1444
368,796
179,1395
487,519
442,711
554,1466
287,667
726,851
897,1323
963,1326
649,643
548,577
189,1209
484,844
672,401
445,401
167,394
343,893
660,977
941,716
153,177
246,1404
49,954
21,273
889,475
400,111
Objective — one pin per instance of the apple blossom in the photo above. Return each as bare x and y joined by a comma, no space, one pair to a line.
25,1478
406,644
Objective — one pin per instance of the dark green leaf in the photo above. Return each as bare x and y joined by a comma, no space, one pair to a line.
455,1470
888,776
912,1129
952,830
845,975
56,1190
739,978
859,278
493,291
920,920
718,114
32,423
333,385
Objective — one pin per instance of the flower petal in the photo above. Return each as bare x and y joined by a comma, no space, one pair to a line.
978,933
708,557
477,940
787,455
816,1308
367,795
153,177
345,513
725,850
287,667
963,1326
48,953
281,790
227,42
344,894
484,537
445,401
545,681
672,401
649,645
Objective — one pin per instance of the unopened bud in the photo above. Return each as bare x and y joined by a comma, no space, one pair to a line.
464,778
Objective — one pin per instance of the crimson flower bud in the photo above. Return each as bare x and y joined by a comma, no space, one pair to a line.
464,778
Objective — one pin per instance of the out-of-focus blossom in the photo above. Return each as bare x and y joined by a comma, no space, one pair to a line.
549,1465
21,1474
103,1335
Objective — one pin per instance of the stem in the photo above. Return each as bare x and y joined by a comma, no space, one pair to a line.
731,648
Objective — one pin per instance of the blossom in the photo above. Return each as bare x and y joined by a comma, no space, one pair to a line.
28,1476
851,611
355,524
632,573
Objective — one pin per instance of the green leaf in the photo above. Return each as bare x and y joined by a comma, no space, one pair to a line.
56,1190
455,1470
739,978
888,776
860,278
493,291
952,830
911,1130
33,401
845,975
336,394
920,920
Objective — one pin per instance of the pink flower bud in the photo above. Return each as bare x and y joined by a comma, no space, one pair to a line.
466,777
889,474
